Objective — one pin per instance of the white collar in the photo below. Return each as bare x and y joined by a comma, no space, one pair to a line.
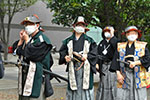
107,40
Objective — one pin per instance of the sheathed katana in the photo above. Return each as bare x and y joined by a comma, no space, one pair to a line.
44,70
78,58
127,63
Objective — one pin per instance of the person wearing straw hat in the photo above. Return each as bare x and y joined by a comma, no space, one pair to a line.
79,53
106,48
34,49
131,62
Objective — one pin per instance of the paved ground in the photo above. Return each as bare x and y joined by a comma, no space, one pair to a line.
8,85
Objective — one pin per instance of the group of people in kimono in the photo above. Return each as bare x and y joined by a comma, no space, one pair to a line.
123,66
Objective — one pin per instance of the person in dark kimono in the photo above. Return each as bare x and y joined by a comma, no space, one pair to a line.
106,49
79,53
1,64
34,49
131,62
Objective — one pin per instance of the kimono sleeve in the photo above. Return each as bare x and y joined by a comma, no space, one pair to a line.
115,64
99,51
37,52
113,42
92,56
145,60
63,52
19,50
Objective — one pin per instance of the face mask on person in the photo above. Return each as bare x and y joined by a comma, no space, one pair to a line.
132,37
30,29
79,29
107,34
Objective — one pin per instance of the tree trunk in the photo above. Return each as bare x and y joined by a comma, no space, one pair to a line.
5,51
3,36
7,40
4,40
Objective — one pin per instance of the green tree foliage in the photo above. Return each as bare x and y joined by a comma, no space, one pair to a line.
9,8
118,13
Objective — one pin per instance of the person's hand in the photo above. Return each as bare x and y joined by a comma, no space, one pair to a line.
67,58
83,58
132,64
26,37
120,78
97,67
22,32
149,69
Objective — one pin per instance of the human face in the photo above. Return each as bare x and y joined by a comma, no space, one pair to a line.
107,34
79,28
132,35
31,27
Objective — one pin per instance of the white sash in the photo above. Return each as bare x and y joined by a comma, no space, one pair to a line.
20,80
30,79
86,73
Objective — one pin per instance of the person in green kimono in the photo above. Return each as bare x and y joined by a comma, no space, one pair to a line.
33,48
79,53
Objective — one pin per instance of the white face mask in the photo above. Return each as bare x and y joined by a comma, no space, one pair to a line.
107,34
79,29
132,37
30,29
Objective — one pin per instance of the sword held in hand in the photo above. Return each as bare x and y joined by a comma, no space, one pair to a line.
78,57
127,63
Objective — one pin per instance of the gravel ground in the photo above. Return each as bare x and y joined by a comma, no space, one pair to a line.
59,93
